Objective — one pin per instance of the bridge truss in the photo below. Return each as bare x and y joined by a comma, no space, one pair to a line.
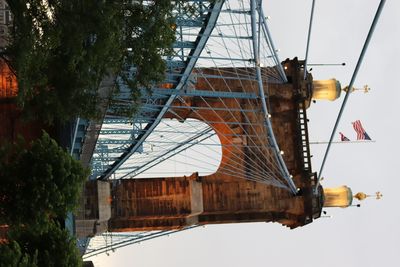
223,61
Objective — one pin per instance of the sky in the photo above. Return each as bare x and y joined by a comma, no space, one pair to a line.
366,236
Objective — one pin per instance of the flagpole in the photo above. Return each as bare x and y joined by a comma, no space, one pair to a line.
342,142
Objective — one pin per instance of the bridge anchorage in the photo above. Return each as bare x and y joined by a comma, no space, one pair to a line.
229,109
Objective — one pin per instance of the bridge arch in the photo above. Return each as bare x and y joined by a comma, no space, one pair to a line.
200,154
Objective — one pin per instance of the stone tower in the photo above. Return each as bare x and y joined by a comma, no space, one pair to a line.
176,202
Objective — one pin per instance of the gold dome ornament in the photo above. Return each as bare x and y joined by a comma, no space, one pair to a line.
365,89
361,196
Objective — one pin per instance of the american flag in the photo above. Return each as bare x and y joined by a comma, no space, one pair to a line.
343,137
361,133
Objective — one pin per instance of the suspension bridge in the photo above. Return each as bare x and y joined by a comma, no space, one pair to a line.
222,139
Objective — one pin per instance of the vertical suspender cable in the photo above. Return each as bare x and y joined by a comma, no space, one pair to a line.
308,38
273,50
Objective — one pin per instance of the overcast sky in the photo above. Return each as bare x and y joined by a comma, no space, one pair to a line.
366,236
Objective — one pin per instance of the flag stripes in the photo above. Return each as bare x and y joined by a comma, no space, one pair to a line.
361,133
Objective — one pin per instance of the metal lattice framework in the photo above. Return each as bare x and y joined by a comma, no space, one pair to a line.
224,58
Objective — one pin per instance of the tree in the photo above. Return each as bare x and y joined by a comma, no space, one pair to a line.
11,255
60,50
38,183
53,247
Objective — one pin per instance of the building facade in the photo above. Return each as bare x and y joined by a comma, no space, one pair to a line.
5,23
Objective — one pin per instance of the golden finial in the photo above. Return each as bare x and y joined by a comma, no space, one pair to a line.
365,89
361,196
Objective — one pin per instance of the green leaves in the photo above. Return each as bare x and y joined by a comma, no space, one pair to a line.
53,247
38,184
12,255
61,51
149,34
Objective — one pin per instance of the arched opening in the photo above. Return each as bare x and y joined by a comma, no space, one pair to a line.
176,149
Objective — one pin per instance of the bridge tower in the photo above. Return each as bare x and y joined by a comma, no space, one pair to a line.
225,197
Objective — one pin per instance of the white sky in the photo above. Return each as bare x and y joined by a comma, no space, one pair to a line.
366,236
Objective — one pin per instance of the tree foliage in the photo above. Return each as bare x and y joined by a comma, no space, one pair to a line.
60,50
53,247
38,183
11,255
